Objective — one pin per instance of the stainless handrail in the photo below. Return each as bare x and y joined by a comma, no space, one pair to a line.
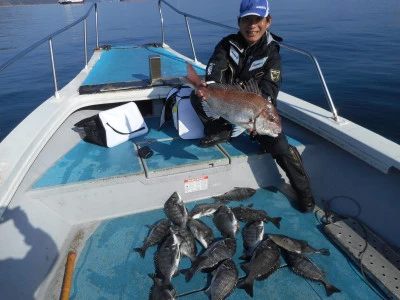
49,39
321,77
291,48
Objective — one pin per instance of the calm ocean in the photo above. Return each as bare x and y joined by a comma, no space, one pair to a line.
357,44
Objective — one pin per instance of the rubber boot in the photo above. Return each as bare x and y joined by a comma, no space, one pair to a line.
292,164
216,131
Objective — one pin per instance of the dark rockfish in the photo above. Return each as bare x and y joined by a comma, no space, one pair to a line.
304,266
157,234
253,234
176,210
294,245
248,214
243,107
214,254
160,291
167,259
226,222
201,232
224,280
206,209
265,260
188,245
236,194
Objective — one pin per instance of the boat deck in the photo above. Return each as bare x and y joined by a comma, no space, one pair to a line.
87,162
128,67
108,268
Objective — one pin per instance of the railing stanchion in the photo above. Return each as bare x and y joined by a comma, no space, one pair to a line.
85,42
321,77
56,94
162,22
49,39
97,25
190,38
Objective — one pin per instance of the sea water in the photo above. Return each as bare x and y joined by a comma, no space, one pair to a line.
355,42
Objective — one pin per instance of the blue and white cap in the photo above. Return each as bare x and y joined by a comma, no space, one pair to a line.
254,7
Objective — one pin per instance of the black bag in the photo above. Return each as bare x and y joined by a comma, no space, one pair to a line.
127,123
94,130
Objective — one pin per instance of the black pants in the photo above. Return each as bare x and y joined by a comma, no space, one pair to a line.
286,156
289,159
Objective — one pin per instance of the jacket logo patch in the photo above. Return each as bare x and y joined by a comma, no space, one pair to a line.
234,55
209,68
258,63
275,75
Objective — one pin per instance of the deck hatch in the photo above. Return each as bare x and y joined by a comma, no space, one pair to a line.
174,156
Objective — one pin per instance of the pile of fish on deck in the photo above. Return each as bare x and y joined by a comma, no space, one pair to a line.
261,251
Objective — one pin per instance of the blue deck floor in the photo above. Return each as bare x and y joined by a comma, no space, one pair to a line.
130,63
88,161
108,268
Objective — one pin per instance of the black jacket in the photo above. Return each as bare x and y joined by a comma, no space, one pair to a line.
233,61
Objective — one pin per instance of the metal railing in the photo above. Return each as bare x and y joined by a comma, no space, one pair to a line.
291,48
185,15
49,39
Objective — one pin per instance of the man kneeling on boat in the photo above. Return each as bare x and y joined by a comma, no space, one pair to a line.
253,55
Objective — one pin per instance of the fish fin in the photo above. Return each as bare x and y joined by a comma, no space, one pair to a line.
207,291
208,111
250,205
276,221
142,251
237,130
252,87
192,77
324,251
330,289
188,273
225,86
152,276
151,226
173,292
245,256
245,267
247,286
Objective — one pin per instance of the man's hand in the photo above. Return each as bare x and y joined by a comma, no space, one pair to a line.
252,131
200,92
253,134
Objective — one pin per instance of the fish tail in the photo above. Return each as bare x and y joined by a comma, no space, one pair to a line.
142,251
245,256
330,289
247,286
188,274
276,221
192,77
219,199
152,276
324,252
